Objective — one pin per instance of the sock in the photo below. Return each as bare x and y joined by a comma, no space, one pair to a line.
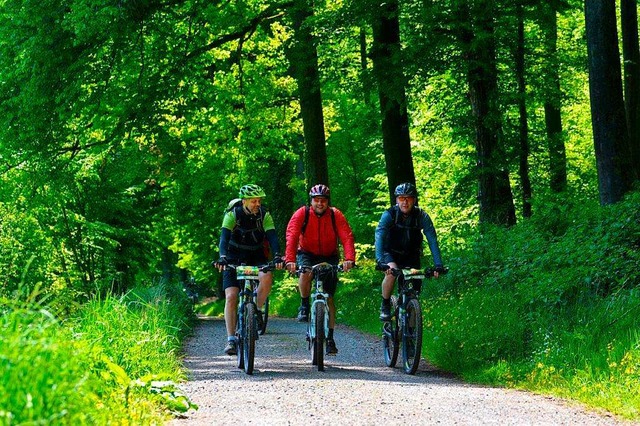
386,302
305,302
330,335
231,338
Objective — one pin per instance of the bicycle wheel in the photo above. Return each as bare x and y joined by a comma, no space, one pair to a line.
265,316
317,345
412,337
390,342
239,345
249,337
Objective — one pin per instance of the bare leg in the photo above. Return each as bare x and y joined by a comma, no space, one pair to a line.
231,309
266,281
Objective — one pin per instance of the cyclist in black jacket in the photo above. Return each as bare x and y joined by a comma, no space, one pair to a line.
399,240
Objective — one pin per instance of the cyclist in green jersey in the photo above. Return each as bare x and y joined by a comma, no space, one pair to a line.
245,229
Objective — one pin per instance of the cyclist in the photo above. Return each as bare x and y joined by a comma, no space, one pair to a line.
245,228
398,241
312,237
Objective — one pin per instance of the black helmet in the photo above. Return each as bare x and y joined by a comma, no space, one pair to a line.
406,189
319,190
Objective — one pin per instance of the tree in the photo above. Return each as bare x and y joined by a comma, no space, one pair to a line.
304,61
631,56
476,36
552,98
610,136
522,109
388,69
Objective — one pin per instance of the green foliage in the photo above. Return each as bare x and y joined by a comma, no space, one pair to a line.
113,364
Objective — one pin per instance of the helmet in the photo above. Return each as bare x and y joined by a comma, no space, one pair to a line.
319,190
407,189
251,191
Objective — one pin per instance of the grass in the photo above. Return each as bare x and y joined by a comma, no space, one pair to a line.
116,362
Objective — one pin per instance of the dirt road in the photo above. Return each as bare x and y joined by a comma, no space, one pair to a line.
356,388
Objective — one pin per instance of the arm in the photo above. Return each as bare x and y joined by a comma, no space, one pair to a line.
293,235
382,233
346,236
430,232
271,235
228,223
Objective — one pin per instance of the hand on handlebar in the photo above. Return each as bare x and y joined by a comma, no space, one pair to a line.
347,265
221,263
278,261
291,267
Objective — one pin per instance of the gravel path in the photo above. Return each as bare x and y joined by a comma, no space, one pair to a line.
355,388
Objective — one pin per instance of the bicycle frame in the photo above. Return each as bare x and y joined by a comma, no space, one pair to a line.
318,326
246,324
406,307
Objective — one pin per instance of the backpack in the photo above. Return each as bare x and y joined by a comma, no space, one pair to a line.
306,220
236,206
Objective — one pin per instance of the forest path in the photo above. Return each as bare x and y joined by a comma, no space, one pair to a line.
356,387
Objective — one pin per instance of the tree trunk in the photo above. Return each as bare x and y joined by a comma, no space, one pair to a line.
552,101
525,181
631,55
478,44
388,70
613,153
303,57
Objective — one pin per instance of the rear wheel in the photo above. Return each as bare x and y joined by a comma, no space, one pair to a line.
412,337
390,343
317,344
265,316
249,338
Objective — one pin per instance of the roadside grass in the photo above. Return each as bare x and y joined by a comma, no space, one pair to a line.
115,362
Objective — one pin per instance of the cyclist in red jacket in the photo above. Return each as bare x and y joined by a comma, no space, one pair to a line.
312,237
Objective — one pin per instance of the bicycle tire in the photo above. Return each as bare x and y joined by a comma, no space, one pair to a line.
239,345
265,316
250,333
412,337
390,338
317,347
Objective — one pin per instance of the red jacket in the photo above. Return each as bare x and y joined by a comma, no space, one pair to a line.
319,237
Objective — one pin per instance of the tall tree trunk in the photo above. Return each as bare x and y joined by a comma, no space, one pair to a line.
613,153
552,100
388,70
525,181
631,55
364,77
478,44
303,57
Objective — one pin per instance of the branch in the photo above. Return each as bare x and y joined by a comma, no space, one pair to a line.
270,12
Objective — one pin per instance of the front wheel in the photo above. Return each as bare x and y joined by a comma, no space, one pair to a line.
412,337
317,343
249,337
390,341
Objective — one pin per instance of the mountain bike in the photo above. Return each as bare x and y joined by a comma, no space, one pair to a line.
247,316
318,326
405,326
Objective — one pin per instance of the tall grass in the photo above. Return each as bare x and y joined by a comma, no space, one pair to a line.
114,363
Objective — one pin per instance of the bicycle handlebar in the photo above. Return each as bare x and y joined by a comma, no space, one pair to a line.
262,268
429,272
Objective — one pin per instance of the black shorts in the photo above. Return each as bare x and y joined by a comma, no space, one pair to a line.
308,259
404,261
251,258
